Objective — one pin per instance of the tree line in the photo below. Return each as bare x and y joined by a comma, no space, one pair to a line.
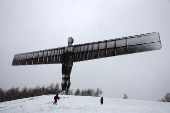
15,92
88,92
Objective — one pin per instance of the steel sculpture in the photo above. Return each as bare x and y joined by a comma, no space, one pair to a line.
88,51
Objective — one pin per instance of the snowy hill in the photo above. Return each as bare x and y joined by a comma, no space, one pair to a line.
82,104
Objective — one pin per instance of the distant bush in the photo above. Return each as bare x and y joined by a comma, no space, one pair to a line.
125,96
166,98
14,93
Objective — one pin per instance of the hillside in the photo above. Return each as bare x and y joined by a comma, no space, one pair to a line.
82,104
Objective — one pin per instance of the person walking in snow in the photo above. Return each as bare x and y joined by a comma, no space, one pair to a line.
101,100
55,98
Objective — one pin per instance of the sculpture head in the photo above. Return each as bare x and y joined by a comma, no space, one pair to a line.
70,41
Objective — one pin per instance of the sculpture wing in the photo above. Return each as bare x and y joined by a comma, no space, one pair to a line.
90,51
50,56
119,46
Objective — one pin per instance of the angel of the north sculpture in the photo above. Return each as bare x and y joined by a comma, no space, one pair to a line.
88,51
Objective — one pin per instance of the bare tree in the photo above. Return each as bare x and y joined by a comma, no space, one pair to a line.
37,91
12,94
24,92
57,88
43,90
70,92
83,93
125,96
166,98
2,95
98,92
52,88
77,92
90,92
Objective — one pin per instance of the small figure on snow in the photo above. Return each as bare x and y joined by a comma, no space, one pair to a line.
55,98
101,100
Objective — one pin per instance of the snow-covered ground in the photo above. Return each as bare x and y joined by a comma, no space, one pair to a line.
82,104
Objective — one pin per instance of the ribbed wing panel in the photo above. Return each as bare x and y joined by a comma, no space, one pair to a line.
119,46
51,56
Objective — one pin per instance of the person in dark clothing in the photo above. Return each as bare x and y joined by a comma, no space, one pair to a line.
101,100
56,97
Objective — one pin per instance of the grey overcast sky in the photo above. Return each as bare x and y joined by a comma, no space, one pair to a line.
31,25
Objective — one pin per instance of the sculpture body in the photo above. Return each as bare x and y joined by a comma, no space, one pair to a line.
67,65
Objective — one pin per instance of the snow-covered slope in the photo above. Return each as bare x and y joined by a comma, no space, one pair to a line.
82,104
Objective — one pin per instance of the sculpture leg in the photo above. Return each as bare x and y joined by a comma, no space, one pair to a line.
66,70
65,83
